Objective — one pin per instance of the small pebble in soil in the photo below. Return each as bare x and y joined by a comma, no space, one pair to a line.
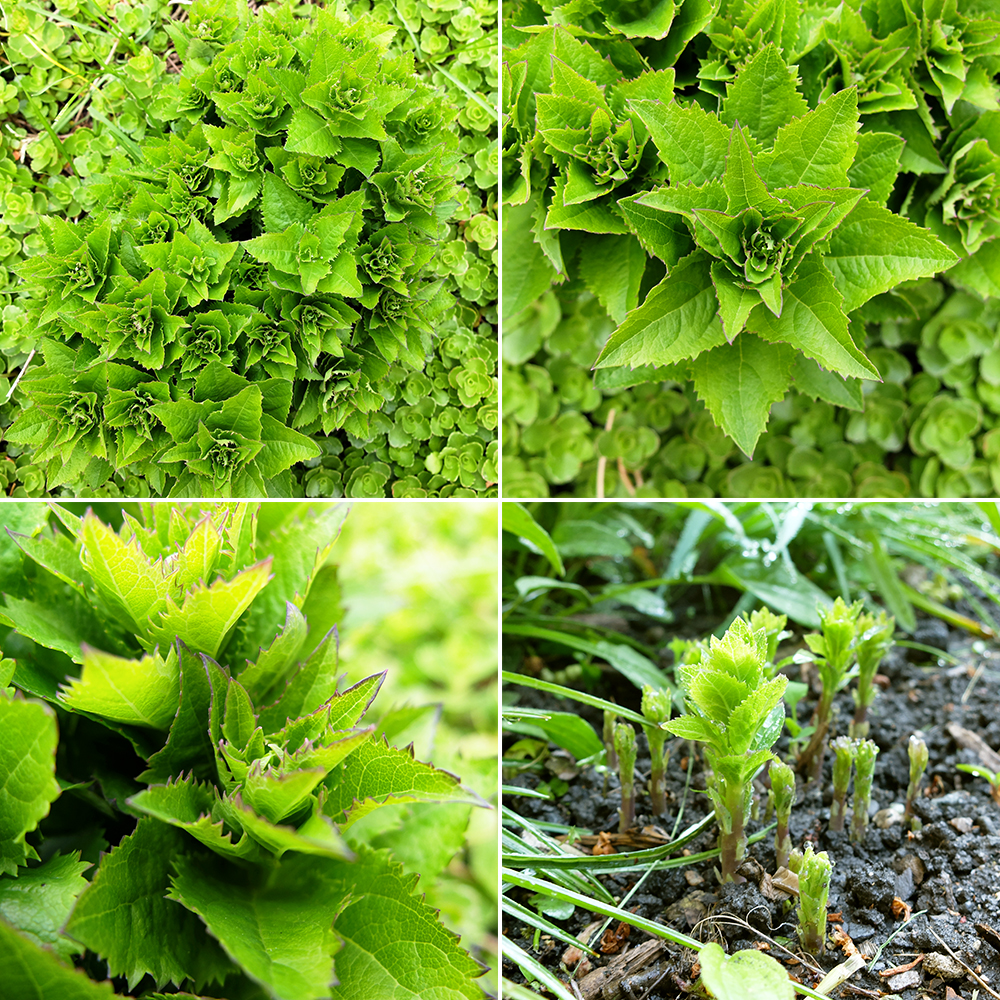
936,964
904,981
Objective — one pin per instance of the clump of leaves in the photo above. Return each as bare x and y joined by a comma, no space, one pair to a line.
737,713
193,697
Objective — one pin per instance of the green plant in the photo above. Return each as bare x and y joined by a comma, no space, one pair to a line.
327,238
609,740
625,749
916,750
864,764
742,976
993,777
832,650
874,641
656,705
737,713
814,889
845,750
783,788
192,670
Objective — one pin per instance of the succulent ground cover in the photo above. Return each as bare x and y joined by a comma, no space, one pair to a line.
752,249
194,798
585,630
249,251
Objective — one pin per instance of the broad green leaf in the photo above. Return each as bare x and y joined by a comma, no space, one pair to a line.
778,586
655,24
518,521
750,714
591,217
26,521
309,687
189,746
873,250
692,143
125,918
316,836
421,960
300,546
812,321
763,97
741,180
735,301
376,773
126,578
565,729
39,900
692,727
48,625
276,924
31,973
817,148
527,272
661,234
28,738
238,720
738,382
743,976
631,663
274,663
195,808
142,692
612,268
208,613
818,383
282,206
876,165
275,796
198,556
678,320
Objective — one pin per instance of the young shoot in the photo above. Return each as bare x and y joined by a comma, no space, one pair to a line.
845,750
917,750
737,713
625,748
814,889
774,628
833,650
783,788
656,708
609,739
864,764
993,777
874,641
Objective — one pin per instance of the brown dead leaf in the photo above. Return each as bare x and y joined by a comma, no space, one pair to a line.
843,941
902,968
614,939
604,845
901,910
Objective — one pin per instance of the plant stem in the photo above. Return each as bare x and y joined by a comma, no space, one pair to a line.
865,764
783,786
625,747
814,889
845,751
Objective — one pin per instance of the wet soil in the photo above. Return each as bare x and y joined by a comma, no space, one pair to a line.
948,871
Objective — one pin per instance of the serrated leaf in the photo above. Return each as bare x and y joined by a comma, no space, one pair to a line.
48,625
763,96
678,320
189,746
274,663
309,687
812,321
276,924
876,165
612,268
124,917
423,959
661,234
39,900
692,727
316,836
28,737
818,383
735,301
282,206
207,613
817,148
376,773
750,714
197,558
141,692
980,271
30,973
692,143
738,382
874,250
238,719
742,182
300,546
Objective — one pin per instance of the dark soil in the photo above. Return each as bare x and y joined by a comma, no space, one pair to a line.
950,868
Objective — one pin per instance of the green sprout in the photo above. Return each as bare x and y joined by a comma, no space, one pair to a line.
845,750
774,628
783,788
656,708
875,640
865,764
833,651
737,713
609,738
917,751
993,777
814,888
625,748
